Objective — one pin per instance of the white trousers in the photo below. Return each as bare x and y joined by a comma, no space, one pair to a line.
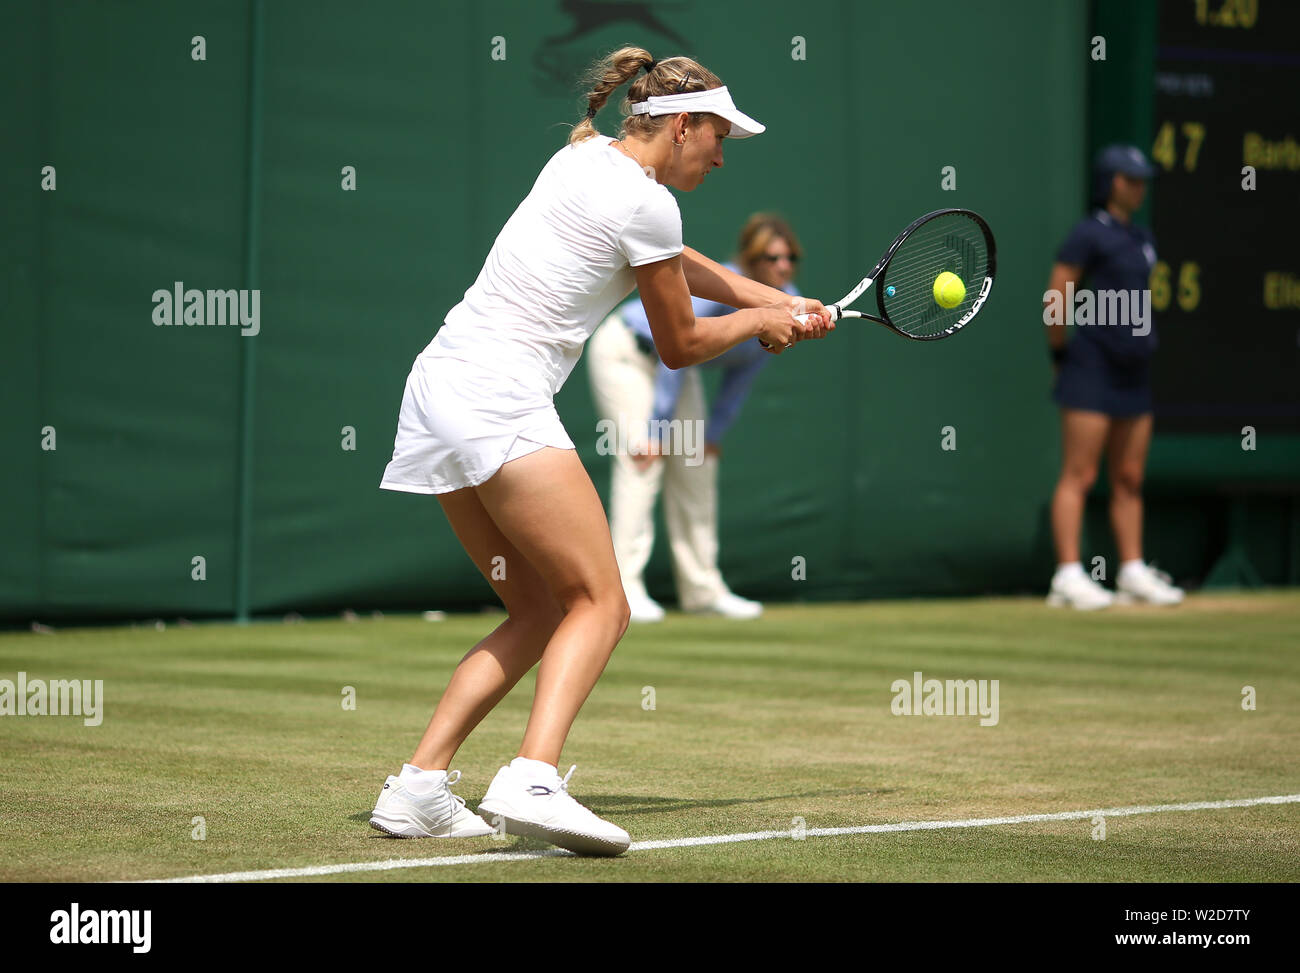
622,382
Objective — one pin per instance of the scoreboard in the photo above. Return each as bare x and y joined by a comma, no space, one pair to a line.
1225,209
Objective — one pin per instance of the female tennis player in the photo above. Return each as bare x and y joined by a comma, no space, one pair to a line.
479,429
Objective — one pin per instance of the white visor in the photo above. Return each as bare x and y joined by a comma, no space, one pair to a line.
715,101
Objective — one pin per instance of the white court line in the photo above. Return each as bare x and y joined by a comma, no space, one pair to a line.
483,858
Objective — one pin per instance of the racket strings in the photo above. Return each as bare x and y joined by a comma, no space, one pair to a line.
912,307
952,243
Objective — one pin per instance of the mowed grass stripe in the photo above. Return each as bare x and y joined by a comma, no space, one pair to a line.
755,725
726,839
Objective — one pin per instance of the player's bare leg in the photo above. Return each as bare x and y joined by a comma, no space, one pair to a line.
545,503
547,506
490,670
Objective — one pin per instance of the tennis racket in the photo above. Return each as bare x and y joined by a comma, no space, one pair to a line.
953,241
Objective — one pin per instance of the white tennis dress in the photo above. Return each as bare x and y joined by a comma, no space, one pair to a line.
482,392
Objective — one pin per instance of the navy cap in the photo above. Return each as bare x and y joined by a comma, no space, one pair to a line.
1127,159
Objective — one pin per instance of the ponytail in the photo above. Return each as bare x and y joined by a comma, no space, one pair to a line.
608,74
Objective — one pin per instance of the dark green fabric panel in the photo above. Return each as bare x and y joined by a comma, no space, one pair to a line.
22,415
355,283
150,147
837,456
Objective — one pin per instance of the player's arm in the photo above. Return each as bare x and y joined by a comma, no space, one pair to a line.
1062,274
682,339
710,280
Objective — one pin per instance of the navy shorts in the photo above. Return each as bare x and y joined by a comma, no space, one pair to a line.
1094,380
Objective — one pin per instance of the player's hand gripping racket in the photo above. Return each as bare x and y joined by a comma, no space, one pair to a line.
932,280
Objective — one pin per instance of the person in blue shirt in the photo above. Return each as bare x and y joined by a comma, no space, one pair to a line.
653,422
1100,286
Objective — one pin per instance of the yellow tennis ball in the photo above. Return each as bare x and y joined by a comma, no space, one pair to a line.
948,290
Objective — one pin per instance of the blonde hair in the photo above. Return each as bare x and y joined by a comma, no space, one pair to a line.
757,233
673,75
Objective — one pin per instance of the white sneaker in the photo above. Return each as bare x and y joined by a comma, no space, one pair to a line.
730,605
1142,582
1079,591
542,808
437,813
644,608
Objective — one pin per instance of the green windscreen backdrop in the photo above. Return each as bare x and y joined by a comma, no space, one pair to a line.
352,164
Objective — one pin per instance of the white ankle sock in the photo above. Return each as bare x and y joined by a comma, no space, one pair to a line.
1131,565
421,781
534,769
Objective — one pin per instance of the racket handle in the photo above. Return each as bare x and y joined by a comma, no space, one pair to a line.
833,308
803,319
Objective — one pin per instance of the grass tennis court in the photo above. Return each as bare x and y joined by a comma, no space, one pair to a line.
754,725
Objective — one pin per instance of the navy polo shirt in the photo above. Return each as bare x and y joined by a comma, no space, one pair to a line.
1115,257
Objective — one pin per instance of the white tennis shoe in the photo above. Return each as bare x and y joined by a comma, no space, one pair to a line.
1076,589
729,605
542,808
1142,582
436,813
